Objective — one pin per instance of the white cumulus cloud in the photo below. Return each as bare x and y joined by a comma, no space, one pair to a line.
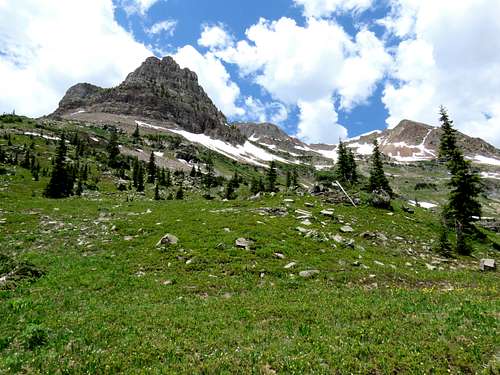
213,77
215,37
325,8
311,66
167,27
137,6
273,112
46,46
318,122
450,56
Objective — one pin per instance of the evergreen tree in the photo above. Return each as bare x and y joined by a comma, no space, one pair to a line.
353,168
179,195
448,142
378,181
136,136
463,204
346,170
84,173
230,189
113,149
256,185
151,168
35,171
168,179
444,245
27,159
272,176
193,172
342,168
135,172
140,178
60,184
79,188
209,177
288,182
295,178
157,192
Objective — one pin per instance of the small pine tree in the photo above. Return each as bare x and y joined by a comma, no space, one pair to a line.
353,168
231,187
140,178
113,149
27,159
288,180
179,195
272,176
448,142
151,168
378,181
444,245
157,192
168,179
79,188
35,172
135,172
465,186
136,136
209,177
342,171
61,183
193,172
295,179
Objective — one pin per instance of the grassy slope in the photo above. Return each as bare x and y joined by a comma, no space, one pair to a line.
105,308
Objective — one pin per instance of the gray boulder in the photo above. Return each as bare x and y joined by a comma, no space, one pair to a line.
168,239
308,273
487,265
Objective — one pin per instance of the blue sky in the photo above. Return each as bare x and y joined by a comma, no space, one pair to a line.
236,16
321,69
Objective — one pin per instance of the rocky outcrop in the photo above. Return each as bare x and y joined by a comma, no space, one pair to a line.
159,90
271,136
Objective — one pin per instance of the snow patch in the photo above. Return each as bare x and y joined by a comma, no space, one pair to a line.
43,136
486,160
329,154
362,148
492,175
94,139
426,205
144,125
357,138
158,154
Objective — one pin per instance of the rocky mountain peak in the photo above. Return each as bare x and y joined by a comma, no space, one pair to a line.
159,90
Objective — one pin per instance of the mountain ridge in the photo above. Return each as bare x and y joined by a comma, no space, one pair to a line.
162,96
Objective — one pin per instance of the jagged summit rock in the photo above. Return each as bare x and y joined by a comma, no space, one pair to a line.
158,90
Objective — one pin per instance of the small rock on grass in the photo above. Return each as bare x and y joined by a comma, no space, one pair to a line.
487,265
243,243
327,213
168,239
290,265
346,229
279,255
308,273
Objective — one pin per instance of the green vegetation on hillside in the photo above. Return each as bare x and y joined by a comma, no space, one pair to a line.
284,283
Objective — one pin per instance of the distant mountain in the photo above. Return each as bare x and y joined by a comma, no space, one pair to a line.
160,96
159,90
412,141
270,136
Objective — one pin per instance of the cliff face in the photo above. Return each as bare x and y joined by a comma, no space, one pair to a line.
159,90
